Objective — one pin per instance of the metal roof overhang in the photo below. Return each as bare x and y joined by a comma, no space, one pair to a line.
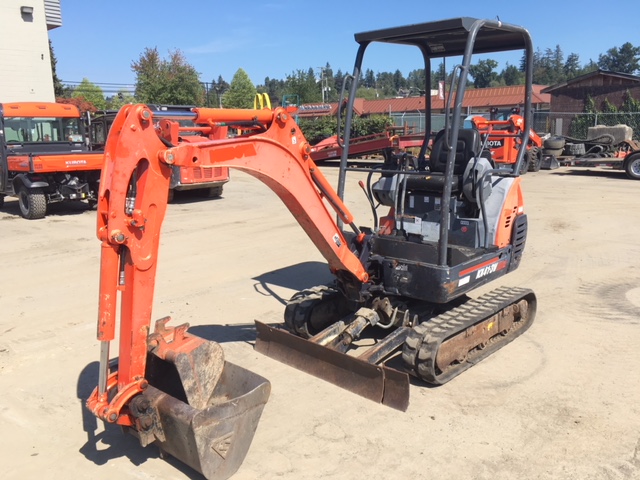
448,38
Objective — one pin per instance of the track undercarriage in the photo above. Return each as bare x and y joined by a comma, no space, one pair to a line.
434,342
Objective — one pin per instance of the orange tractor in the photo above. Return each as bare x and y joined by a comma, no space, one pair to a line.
45,157
502,137
450,223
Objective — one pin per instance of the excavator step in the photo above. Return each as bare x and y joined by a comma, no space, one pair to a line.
376,382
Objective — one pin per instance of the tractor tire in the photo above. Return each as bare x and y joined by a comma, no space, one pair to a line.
632,166
535,159
524,168
1,200
554,143
213,192
556,152
32,203
170,195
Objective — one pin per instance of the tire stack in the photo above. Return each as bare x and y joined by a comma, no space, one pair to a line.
554,146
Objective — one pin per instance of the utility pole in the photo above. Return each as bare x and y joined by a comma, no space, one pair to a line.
324,83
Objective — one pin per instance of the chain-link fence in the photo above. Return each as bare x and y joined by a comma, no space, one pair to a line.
574,125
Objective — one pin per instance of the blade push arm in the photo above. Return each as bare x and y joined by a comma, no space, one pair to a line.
132,205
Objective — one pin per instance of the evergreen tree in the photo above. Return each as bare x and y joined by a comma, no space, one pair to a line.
241,93
626,59
218,88
369,79
58,89
571,67
304,85
511,75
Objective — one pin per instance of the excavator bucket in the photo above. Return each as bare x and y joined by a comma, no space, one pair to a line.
198,407
360,375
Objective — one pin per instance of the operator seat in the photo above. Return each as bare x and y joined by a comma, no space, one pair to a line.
468,147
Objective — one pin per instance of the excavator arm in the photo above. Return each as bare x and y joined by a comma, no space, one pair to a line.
131,208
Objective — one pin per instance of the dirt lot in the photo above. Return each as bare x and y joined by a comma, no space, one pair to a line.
561,402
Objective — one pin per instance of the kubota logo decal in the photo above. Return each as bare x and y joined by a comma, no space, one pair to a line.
487,270
481,270
70,163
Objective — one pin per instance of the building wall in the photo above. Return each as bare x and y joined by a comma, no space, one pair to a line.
25,64
600,88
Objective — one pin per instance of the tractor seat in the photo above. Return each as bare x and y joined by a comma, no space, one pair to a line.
468,146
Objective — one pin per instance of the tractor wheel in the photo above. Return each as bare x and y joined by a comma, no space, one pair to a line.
556,152
32,202
632,166
213,192
524,168
170,195
1,200
535,159
554,143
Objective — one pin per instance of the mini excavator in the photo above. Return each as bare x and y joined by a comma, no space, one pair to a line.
452,223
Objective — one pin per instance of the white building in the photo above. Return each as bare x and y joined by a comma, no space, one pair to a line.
25,63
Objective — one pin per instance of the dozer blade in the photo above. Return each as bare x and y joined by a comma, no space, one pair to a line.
376,382
198,407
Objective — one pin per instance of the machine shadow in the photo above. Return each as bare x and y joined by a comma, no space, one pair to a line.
296,277
589,172
112,442
60,209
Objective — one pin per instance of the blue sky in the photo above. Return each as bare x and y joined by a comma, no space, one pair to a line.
100,39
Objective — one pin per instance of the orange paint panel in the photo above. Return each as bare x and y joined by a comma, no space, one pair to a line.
56,163
40,109
231,153
513,206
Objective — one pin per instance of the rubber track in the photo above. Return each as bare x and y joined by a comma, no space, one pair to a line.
296,313
421,346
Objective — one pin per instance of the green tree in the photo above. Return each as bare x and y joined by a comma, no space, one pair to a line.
171,82
366,93
399,82
58,88
338,80
385,84
120,99
511,75
572,67
91,93
369,79
216,90
241,92
416,80
626,59
304,85
483,73
274,88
